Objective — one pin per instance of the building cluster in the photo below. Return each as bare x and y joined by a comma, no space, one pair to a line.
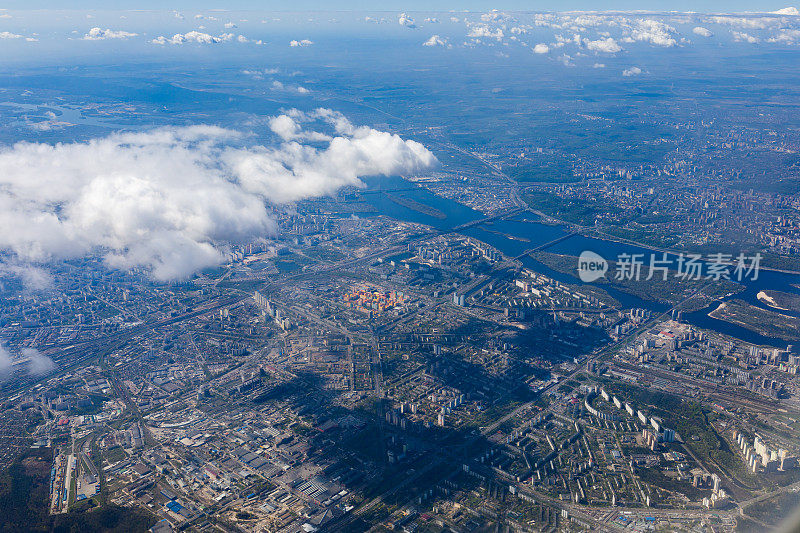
652,435
760,458
373,300
313,370
718,496
714,360
676,213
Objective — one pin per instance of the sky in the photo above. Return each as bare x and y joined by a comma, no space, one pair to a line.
422,5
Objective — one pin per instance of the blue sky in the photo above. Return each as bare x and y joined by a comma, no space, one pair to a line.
424,5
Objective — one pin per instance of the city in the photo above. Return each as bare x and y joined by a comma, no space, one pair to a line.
354,321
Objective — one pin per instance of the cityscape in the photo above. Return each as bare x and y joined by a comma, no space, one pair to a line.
451,271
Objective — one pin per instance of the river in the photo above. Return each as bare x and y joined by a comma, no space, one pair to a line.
515,235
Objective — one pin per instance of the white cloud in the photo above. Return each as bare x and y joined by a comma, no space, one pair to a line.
541,48
753,23
288,129
170,200
608,46
563,41
589,20
599,65
405,20
791,11
435,40
193,37
633,71
702,32
243,39
280,86
256,73
566,60
480,31
9,35
38,363
654,32
786,36
98,34
740,36
303,42
431,20
229,25
34,279
294,171
6,362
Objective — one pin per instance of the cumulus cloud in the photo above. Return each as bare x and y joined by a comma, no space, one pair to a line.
34,279
98,34
259,73
169,201
193,36
609,45
753,23
562,40
740,36
6,362
280,86
654,32
435,40
405,20
294,171
541,48
791,11
303,42
633,71
9,35
243,39
38,363
481,31
786,36
289,129
702,32
589,20
431,20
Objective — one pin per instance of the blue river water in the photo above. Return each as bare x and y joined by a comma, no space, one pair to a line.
515,235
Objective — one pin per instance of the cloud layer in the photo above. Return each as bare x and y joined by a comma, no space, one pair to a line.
193,37
169,200
580,34
99,34
38,363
